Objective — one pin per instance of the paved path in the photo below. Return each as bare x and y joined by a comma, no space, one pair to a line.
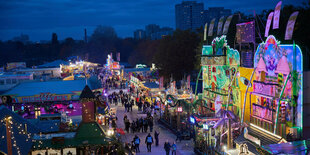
183,148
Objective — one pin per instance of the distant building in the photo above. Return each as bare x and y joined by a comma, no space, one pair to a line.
162,33
189,15
150,29
139,34
215,12
153,32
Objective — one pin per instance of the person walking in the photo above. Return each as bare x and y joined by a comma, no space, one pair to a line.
145,124
141,124
174,149
125,117
178,136
149,142
137,143
167,147
127,125
151,124
156,134
133,128
130,105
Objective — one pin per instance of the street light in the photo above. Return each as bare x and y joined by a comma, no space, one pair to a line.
110,132
179,109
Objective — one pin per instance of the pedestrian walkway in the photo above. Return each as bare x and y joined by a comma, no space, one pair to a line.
183,148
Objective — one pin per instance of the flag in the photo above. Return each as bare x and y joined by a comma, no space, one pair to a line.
268,23
290,26
226,25
161,83
188,81
220,25
205,32
276,15
174,87
118,56
210,33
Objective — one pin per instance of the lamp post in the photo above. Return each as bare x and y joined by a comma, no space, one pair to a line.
206,128
179,110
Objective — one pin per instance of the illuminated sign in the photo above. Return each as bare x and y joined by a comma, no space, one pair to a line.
180,109
192,120
205,126
43,97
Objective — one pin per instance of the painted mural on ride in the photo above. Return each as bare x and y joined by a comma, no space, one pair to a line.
278,83
220,66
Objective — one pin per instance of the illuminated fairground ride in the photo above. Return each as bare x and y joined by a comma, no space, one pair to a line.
215,110
277,89
219,69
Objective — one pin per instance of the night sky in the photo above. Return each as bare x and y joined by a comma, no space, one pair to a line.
40,18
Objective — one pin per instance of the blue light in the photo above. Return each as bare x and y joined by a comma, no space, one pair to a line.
192,120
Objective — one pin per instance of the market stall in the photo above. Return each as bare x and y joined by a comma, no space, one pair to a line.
176,112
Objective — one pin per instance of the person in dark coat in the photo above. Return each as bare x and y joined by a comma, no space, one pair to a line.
149,142
141,124
145,124
127,125
133,127
151,124
178,136
156,134
137,143
167,147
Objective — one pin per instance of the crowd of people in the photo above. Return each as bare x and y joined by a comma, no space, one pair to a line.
139,125
134,146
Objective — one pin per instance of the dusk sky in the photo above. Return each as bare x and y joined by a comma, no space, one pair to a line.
68,18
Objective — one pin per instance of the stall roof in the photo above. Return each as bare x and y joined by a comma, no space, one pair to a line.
75,139
55,63
264,137
151,85
136,69
22,140
53,87
12,74
46,126
296,147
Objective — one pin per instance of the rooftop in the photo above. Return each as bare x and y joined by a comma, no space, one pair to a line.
53,87
23,140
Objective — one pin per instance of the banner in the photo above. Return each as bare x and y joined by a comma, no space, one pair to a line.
290,26
245,32
276,15
210,33
13,65
174,87
226,25
188,81
220,25
118,56
161,83
268,24
205,32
